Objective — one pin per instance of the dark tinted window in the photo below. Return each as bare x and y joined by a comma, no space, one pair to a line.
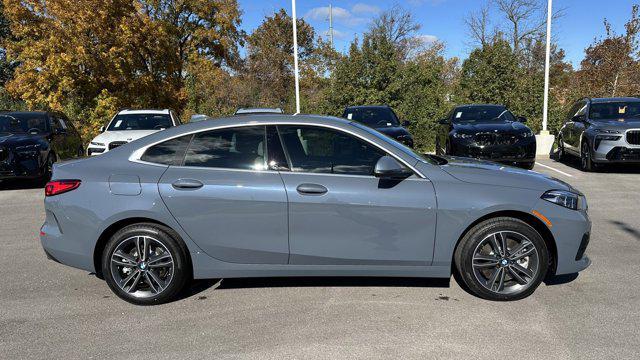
373,117
321,150
234,148
140,122
22,123
482,114
614,110
276,159
170,152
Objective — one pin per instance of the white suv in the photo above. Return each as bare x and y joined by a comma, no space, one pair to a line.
129,125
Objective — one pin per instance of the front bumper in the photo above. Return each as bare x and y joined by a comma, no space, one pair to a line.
20,165
614,151
523,151
571,231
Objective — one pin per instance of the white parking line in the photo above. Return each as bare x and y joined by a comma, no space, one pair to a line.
554,169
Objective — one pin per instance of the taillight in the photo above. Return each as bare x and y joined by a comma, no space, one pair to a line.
58,187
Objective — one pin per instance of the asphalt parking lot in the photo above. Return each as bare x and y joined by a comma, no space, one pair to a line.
49,310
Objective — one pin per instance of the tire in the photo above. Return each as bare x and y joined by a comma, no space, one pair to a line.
561,154
475,256
586,161
47,169
146,282
528,165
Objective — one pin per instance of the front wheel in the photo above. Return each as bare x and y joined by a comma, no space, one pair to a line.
145,265
502,259
586,161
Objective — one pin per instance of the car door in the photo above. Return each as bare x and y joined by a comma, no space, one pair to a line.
340,214
579,125
226,199
59,137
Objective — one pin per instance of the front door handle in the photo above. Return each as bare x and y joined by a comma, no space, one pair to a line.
187,184
311,189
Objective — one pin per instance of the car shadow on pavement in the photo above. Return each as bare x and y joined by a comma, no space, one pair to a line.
242,283
626,228
560,279
574,162
20,185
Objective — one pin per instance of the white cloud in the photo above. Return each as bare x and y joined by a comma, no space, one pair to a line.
362,8
322,13
427,39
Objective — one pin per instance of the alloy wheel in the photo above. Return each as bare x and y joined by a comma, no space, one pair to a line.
142,266
585,157
506,262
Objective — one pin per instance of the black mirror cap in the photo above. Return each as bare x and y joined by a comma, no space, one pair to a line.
578,118
389,168
406,123
444,122
522,119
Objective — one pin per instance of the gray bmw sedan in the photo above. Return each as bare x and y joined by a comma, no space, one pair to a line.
278,195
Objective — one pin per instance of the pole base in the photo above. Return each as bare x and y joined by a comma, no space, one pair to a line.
544,143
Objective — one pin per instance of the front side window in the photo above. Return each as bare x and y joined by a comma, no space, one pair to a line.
123,122
233,148
322,150
170,152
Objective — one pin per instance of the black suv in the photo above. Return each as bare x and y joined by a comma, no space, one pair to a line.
31,141
488,132
381,118
602,130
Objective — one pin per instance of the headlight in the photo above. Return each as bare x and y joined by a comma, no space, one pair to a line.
606,131
528,134
462,136
564,198
96,143
34,147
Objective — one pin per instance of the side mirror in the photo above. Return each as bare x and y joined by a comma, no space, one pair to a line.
578,118
406,123
522,119
389,168
102,129
444,122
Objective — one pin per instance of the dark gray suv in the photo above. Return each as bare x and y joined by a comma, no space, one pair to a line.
602,130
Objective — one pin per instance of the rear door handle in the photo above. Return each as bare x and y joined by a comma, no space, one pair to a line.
311,189
186,184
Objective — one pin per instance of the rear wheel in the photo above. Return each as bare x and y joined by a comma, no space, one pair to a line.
145,265
502,259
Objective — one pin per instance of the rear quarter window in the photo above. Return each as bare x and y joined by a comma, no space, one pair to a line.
170,152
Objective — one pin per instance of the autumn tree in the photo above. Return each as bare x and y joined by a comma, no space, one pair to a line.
611,65
91,57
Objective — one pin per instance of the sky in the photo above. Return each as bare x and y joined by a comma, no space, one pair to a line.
443,20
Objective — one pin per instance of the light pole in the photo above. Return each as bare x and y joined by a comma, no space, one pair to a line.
545,140
295,54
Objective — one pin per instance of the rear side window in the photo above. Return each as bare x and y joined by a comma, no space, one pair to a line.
233,148
170,152
322,150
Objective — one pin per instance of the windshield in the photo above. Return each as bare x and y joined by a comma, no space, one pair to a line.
615,110
140,122
373,117
23,123
482,114
397,145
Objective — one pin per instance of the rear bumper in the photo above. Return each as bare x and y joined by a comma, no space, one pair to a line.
58,249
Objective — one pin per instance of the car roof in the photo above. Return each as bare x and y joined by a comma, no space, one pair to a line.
480,105
143,111
614,99
259,111
369,107
6,112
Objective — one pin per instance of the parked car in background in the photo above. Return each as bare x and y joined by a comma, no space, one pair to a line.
31,141
488,132
601,131
276,195
129,125
381,118
254,111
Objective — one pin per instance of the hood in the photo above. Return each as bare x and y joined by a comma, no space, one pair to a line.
10,140
501,127
490,173
125,135
622,124
393,132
